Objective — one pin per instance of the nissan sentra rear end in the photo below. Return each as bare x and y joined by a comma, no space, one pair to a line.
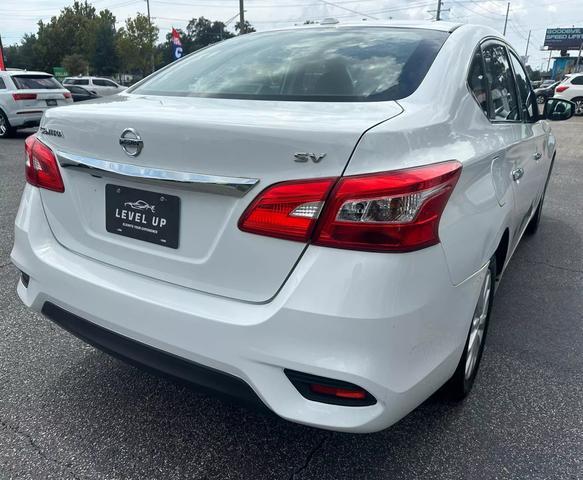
203,224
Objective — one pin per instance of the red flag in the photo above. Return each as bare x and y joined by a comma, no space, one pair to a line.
2,66
176,45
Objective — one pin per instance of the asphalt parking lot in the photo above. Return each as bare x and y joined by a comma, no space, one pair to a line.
68,411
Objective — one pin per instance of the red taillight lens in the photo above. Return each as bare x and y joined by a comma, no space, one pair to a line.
561,88
41,166
24,96
67,95
395,211
287,210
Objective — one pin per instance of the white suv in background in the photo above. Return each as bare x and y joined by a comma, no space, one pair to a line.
100,86
24,97
571,88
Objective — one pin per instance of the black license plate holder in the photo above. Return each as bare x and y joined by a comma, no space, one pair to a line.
148,216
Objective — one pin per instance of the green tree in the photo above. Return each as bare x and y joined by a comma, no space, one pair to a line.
104,58
135,45
23,55
201,32
245,28
77,30
75,64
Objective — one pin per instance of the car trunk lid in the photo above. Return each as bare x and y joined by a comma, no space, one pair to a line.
232,149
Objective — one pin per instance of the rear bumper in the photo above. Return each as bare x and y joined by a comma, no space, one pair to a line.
26,118
152,359
391,324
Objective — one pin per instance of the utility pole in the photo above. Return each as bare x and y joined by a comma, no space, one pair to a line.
438,14
151,39
527,44
549,62
506,21
241,17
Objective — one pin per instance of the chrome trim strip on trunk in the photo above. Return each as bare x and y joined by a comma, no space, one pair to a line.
235,186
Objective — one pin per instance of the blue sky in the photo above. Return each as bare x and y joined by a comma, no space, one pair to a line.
18,17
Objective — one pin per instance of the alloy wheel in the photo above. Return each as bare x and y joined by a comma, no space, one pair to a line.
540,99
579,107
3,126
478,327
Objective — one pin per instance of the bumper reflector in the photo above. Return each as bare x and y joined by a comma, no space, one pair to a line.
328,390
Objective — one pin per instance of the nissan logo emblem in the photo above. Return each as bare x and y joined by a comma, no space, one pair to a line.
131,142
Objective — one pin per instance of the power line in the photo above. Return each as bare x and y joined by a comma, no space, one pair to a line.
348,9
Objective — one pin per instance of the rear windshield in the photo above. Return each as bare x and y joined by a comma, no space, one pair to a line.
35,82
321,64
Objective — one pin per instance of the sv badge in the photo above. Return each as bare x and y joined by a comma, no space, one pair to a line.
306,157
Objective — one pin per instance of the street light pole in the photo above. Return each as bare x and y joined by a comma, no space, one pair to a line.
241,17
438,13
527,44
506,20
151,40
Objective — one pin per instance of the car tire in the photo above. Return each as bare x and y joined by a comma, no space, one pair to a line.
460,384
540,99
578,106
532,226
6,130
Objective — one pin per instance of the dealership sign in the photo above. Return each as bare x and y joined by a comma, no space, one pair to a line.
564,38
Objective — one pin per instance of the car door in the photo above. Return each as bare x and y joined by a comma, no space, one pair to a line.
104,87
539,164
517,135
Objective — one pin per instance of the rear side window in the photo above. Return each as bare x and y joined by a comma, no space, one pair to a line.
67,81
320,64
477,82
103,83
524,89
2,84
577,80
504,104
35,82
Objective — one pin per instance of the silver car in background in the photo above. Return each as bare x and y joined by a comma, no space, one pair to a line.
25,96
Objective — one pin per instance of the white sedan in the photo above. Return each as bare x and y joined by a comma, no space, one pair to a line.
329,210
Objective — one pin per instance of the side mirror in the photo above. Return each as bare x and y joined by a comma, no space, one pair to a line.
557,109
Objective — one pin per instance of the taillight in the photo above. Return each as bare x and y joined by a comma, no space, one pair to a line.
561,88
287,210
24,96
41,166
396,211
67,95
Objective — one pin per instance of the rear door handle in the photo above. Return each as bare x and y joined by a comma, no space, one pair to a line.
517,174
537,156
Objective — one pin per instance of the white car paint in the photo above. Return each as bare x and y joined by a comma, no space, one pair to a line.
99,85
573,91
27,113
251,306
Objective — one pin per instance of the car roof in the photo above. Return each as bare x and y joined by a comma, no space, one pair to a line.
27,72
87,77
